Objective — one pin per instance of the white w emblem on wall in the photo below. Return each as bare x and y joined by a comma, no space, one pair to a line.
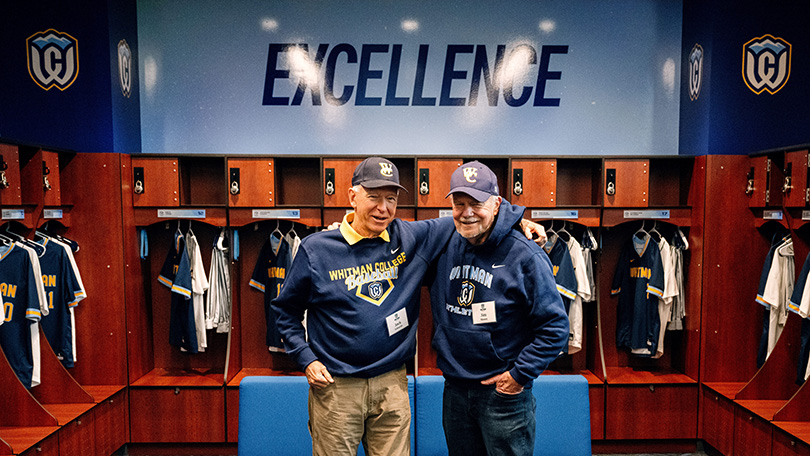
766,64
125,67
695,71
53,59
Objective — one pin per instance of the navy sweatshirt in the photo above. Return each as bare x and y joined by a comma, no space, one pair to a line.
353,289
529,326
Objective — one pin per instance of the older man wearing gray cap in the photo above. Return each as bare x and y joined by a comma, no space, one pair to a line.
360,286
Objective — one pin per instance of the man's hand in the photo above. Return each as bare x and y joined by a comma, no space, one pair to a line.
317,375
530,229
336,225
504,383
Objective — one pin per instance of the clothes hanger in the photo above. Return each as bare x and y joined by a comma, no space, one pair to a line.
641,230
564,231
654,230
292,230
45,232
14,237
277,230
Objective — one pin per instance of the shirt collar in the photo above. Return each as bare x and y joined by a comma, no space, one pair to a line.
352,236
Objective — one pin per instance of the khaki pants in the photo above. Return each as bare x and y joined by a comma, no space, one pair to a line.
375,411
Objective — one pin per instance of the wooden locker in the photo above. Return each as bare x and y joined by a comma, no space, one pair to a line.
155,182
718,421
433,181
657,412
10,190
785,444
765,182
182,415
251,182
752,435
795,186
626,183
77,438
337,179
40,178
533,183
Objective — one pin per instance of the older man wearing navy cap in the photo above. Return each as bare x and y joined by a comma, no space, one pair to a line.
498,317
360,285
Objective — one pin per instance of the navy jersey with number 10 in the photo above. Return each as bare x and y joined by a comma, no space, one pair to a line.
18,287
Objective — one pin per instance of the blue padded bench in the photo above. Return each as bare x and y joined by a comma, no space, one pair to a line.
273,416
563,416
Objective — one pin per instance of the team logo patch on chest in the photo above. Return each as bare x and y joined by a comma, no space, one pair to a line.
466,293
375,292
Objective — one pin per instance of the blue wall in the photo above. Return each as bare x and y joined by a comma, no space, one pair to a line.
728,117
87,115
94,114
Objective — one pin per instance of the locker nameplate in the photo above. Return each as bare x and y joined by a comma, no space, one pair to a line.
13,214
277,213
772,215
805,215
445,212
555,214
662,214
181,213
52,213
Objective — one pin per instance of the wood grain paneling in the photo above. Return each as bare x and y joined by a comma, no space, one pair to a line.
181,415
256,182
161,182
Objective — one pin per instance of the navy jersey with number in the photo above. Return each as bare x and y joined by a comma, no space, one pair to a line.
176,274
62,291
639,282
268,275
18,287
563,269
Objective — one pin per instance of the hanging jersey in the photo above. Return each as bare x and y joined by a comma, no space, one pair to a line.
670,292
583,294
18,285
800,299
563,269
176,274
218,301
69,249
62,290
275,258
776,294
199,285
639,282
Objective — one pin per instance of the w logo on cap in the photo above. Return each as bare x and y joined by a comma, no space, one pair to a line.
53,59
386,169
470,174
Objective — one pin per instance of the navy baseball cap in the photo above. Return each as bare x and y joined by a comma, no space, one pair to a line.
475,179
376,172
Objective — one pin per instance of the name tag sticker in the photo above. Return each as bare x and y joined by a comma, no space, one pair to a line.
397,321
483,312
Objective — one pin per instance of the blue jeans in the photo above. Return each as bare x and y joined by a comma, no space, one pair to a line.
481,421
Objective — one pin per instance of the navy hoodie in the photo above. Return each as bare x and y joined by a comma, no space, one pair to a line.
529,326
